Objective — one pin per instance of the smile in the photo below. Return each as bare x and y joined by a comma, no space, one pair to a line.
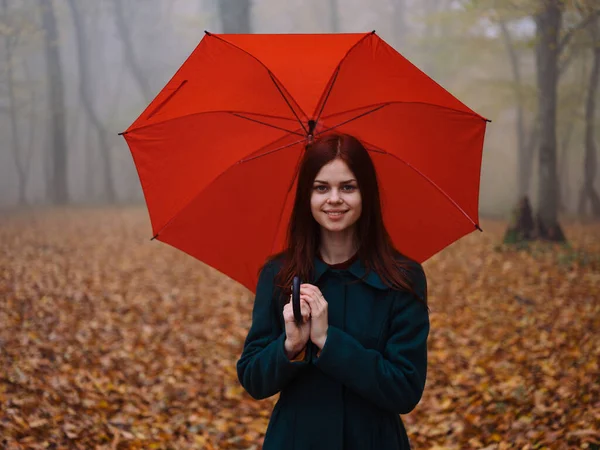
335,213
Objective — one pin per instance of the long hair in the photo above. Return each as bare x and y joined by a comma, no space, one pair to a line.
375,247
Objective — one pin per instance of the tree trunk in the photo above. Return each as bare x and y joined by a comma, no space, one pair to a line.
521,227
12,108
131,60
235,15
524,151
59,188
90,147
334,18
563,157
528,154
564,193
590,161
548,22
31,127
86,98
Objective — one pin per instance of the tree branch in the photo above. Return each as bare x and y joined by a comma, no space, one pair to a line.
569,34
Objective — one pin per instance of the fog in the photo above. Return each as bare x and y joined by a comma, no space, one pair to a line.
465,46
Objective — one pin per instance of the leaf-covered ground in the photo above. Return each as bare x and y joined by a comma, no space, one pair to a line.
111,341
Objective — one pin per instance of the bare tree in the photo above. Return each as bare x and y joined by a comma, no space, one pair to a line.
525,145
29,152
548,23
58,187
590,162
527,141
130,55
85,90
334,16
235,15
570,121
548,49
12,108
563,166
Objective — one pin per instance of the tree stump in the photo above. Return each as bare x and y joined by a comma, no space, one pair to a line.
548,233
521,226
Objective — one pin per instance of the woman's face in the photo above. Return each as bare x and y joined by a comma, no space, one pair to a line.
335,201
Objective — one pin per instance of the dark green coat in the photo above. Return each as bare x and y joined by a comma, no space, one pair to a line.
372,368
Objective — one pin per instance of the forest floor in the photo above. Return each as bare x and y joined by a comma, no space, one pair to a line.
111,341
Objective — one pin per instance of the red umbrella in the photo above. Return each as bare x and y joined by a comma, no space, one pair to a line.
217,150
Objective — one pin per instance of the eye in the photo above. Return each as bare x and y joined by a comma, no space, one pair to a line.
320,188
349,187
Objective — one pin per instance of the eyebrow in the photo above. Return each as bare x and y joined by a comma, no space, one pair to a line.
343,182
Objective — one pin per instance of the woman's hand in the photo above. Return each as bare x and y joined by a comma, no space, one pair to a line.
312,295
296,336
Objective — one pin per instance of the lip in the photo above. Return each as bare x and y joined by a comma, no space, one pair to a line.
337,216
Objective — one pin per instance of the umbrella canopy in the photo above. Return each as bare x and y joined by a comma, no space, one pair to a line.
218,149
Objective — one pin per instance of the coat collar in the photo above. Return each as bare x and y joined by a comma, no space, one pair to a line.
357,269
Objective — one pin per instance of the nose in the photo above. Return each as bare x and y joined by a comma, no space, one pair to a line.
334,197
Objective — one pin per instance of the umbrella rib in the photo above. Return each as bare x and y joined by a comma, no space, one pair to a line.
274,79
335,74
286,100
397,102
405,162
199,113
410,166
271,151
289,118
220,175
166,100
354,118
267,124
270,116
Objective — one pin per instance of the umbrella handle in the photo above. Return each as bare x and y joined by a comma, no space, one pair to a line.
296,300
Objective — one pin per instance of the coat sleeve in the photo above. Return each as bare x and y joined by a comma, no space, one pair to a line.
394,380
263,368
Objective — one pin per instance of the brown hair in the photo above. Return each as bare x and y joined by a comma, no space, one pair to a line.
303,235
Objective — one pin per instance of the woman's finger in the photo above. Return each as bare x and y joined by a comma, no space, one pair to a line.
321,299
318,295
309,288
315,307
307,298
308,301
304,308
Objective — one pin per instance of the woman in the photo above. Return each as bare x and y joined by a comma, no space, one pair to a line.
359,357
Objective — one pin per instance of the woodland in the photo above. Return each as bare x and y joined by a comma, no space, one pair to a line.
109,340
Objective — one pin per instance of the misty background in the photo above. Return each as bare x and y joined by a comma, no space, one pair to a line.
102,62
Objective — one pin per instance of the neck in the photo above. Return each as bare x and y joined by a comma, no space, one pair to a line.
337,247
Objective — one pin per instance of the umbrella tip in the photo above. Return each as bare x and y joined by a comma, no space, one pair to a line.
477,227
207,33
373,32
154,237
